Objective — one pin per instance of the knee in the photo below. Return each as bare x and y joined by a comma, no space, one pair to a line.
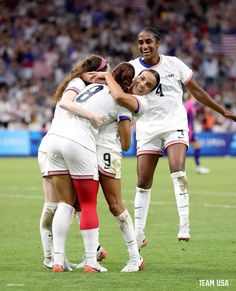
176,167
144,181
115,207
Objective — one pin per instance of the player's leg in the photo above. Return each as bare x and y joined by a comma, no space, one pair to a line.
112,191
176,152
101,252
84,174
146,165
48,211
62,219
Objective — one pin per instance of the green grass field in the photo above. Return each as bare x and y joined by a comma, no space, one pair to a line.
169,264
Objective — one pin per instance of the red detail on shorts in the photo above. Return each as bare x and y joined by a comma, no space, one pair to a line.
149,152
108,174
176,142
58,172
86,190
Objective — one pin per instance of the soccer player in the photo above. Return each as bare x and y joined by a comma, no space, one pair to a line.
72,152
191,108
164,126
71,85
109,155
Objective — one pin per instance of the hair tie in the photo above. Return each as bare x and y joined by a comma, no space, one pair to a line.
102,65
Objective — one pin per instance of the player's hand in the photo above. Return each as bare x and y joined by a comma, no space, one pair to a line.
230,115
98,77
96,120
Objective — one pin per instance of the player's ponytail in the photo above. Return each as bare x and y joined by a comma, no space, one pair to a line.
94,63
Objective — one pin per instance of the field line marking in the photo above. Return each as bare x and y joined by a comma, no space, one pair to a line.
163,203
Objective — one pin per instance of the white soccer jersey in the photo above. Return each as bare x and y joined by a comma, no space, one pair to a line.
77,85
108,136
96,98
166,111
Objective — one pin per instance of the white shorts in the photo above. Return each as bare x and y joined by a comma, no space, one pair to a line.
109,162
161,142
43,163
68,157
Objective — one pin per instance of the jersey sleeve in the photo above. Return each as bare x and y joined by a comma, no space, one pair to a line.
142,106
76,85
185,72
123,114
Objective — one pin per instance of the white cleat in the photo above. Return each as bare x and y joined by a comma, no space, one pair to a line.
95,268
101,255
202,170
133,266
48,263
141,241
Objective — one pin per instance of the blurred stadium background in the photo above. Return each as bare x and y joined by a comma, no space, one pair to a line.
42,40
39,43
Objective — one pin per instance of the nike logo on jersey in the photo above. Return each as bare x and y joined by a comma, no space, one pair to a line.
183,193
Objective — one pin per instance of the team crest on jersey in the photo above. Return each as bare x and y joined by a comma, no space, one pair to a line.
169,76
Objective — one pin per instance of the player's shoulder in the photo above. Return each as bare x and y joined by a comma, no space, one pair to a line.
169,59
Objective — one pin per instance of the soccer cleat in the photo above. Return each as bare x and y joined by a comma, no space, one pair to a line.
71,266
48,263
101,255
57,268
133,266
144,243
202,170
94,268
141,241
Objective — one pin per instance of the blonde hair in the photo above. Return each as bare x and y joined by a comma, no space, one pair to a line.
93,63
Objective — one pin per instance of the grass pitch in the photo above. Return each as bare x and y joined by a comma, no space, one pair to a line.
208,260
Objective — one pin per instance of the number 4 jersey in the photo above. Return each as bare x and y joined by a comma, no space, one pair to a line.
166,111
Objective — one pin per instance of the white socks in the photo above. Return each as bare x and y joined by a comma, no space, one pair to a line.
181,194
45,226
126,225
90,237
60,227
141,205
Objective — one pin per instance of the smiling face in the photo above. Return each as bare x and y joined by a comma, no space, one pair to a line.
144,83
148,45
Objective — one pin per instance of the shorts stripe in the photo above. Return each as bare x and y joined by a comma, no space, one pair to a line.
176,142
108,174
82,177
58,172
149,152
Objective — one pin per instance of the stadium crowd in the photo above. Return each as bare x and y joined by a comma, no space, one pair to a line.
42,40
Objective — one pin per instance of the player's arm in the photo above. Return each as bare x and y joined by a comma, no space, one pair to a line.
126,100
67,103
202,96
125,132
123,99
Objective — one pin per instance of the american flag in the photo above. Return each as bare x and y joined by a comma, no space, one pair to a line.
226,45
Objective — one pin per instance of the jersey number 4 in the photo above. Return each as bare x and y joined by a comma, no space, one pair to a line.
88,93
159,90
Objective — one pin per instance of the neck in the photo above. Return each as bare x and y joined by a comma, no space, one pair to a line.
153,61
